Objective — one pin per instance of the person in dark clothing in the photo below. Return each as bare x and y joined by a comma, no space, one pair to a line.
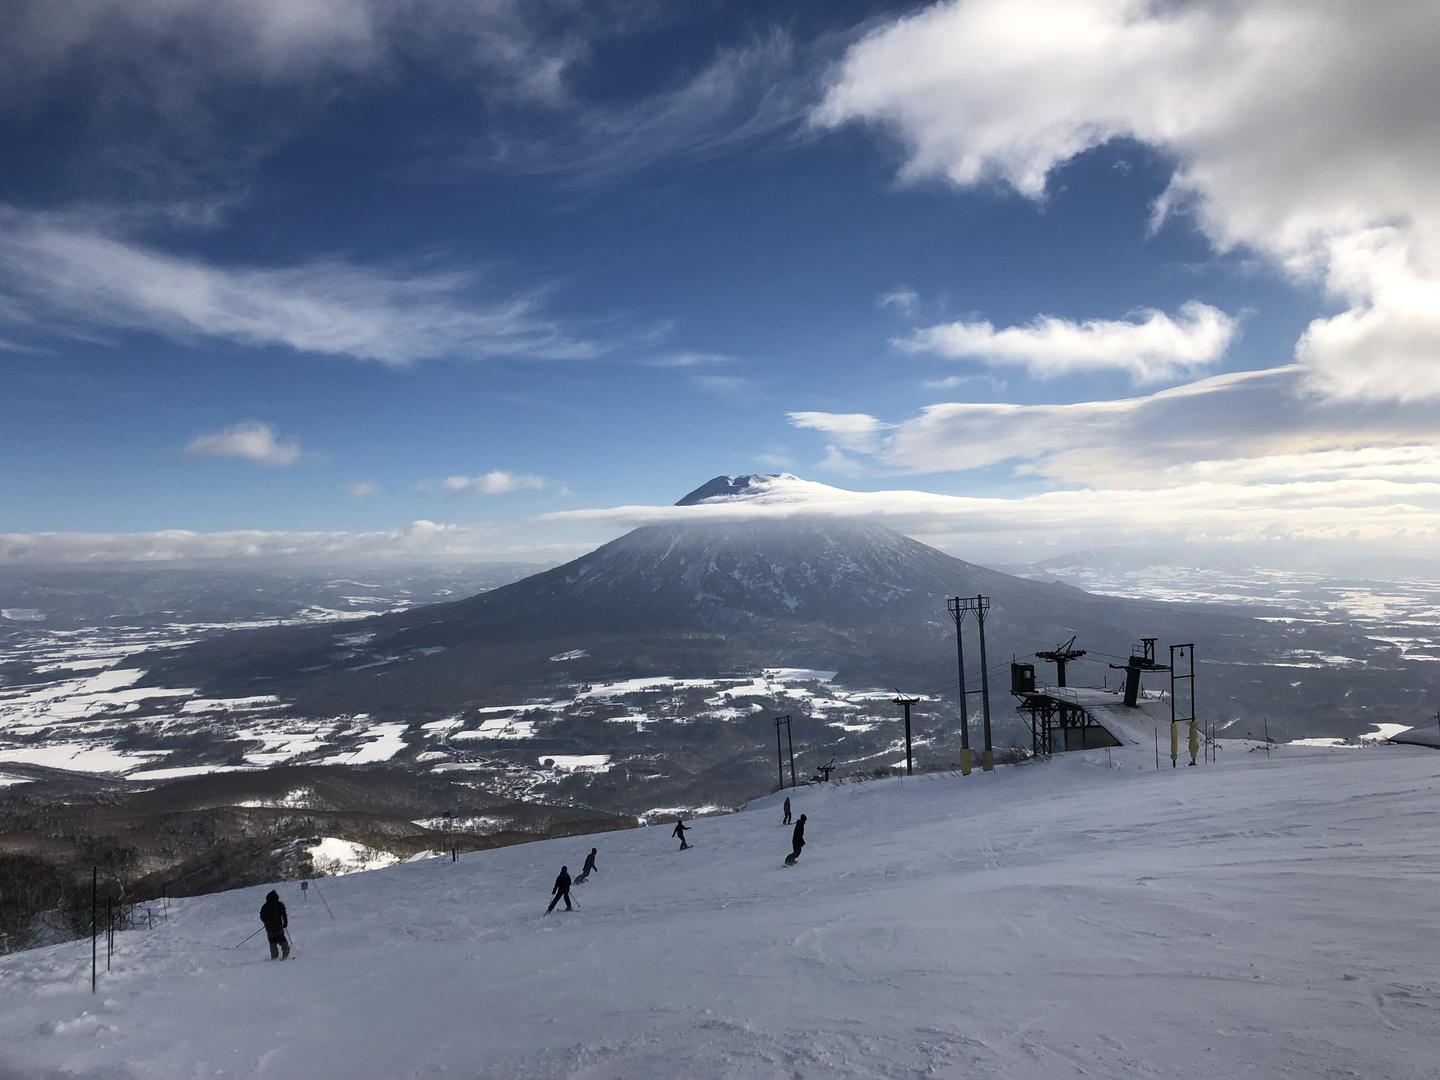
787,811
275,920
561,891
797,841
680,832
589,866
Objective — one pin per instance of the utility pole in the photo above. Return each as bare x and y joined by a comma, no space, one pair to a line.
957,612
905,703
780,753
958,606
779,757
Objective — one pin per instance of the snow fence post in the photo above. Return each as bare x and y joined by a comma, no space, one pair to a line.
94,925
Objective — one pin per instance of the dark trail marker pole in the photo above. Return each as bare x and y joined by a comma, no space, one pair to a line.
94,926
1267,738
109,931
905,703
779,757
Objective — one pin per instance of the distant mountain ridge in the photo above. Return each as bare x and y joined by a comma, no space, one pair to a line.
704,597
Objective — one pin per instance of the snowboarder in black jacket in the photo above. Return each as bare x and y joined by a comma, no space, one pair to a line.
561,891
273,916
787,811
588,867
797,841
680,832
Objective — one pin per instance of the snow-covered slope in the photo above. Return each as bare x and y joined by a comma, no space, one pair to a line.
1252,919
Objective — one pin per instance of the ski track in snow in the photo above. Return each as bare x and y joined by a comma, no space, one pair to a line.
1259,918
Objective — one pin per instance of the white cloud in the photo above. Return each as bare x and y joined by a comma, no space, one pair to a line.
1253,415
363,489
248,441
76,271
854,431
1346,509
903,299
693,360
1297,129
495,482
1152,348
418,541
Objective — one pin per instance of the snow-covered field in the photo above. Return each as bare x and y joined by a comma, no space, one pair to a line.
1257,918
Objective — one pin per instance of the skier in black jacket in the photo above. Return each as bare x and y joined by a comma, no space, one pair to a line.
561,891
273,916
587,868
797,841
787,811
680,832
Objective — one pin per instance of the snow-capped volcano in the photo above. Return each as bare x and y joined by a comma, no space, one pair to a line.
716,593
807,590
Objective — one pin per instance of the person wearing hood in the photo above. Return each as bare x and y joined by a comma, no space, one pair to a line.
797,841
561,891
276,921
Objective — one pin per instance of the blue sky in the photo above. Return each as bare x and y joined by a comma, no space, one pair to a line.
322,267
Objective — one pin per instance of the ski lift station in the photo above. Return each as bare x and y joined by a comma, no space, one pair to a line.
1063,717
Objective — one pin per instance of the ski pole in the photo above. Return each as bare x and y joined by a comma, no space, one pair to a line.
251,936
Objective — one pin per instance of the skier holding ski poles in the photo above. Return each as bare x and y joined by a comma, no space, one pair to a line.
275,921
561,891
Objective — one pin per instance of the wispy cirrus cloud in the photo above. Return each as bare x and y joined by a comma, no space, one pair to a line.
190,95
761,88
363,489
251,440
1150,347
79,270
902,298
494,482
738,387
693,360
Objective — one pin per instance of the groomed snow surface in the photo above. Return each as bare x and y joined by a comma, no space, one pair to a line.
1255,919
